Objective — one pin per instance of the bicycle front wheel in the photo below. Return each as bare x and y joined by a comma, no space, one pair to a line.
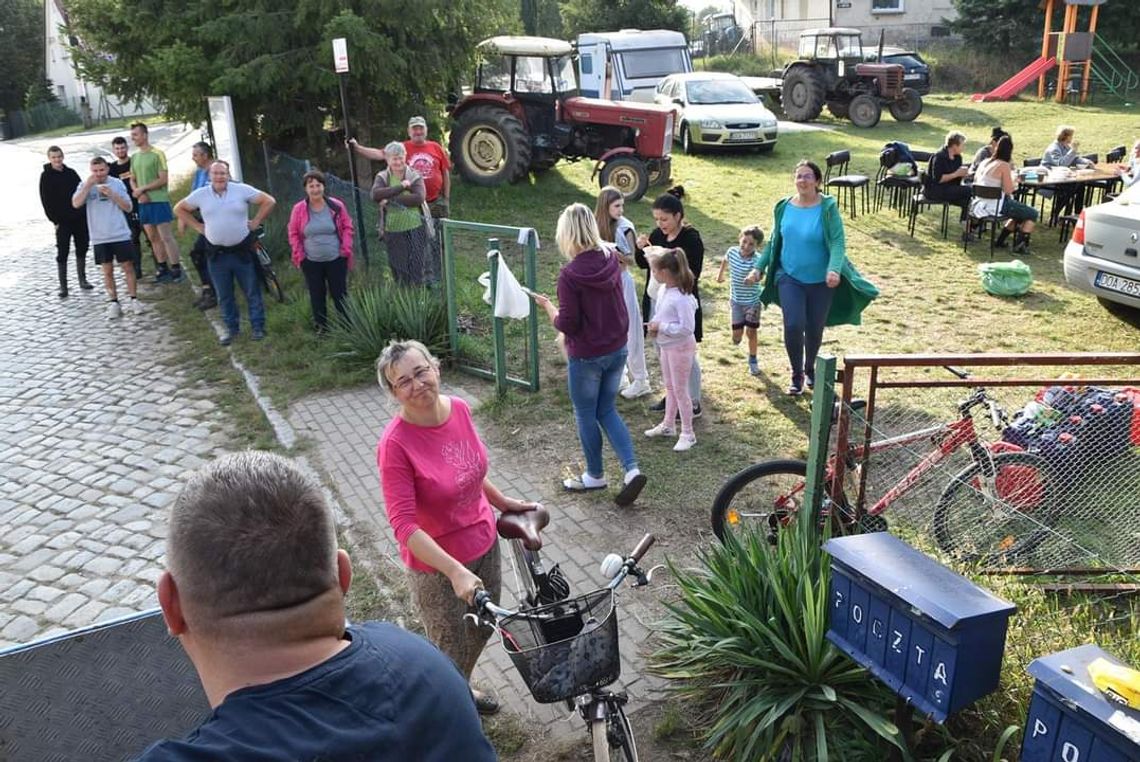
268,278
760,498
994,520
613,737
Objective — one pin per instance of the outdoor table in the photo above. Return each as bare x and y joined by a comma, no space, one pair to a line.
1075,181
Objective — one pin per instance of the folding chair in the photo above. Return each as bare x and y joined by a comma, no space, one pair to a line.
837,162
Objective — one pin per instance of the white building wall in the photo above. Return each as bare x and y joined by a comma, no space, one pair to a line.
69,88
904,22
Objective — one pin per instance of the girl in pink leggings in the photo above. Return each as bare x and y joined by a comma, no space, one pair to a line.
674,321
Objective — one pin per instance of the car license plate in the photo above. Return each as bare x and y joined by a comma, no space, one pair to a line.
1116,283
912,76
749,135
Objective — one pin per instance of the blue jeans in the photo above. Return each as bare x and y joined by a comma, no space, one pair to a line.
594,383
225,266
805,307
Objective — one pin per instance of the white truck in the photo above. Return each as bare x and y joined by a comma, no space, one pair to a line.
627,65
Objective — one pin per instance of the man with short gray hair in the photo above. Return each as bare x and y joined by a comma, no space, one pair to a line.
230,237
254,590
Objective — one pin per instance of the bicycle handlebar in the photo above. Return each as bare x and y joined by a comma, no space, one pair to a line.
642,547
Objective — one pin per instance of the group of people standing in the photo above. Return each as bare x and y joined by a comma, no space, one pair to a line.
87,212
433,466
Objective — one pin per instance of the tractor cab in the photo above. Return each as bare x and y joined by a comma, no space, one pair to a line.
838,48
524,66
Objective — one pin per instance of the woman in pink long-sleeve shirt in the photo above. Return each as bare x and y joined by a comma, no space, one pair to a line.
433,470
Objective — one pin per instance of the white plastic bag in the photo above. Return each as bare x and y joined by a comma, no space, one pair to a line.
510,300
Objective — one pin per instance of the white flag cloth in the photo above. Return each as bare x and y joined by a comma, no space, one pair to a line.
510,299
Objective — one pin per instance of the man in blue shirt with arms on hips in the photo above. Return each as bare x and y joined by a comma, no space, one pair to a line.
254,590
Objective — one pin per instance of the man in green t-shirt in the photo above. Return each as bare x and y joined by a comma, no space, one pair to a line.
149,186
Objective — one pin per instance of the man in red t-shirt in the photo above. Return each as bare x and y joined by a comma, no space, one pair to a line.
431,161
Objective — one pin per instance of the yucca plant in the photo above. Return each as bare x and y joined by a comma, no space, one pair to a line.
745,643
378,313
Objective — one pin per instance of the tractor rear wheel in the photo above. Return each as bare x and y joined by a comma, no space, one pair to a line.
628,174
908,106
802,94
865,110
489,146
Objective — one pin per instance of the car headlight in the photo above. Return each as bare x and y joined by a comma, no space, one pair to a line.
710,124
768,123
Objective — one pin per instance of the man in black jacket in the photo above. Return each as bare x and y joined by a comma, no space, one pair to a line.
945,174
57,184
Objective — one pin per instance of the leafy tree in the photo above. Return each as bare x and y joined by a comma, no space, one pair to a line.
1015,26
21,50
708,10
275,59
41,91
611,15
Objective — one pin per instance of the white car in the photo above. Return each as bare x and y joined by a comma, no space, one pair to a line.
1103,256
716,109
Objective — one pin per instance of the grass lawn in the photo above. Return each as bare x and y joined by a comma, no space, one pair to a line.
932,301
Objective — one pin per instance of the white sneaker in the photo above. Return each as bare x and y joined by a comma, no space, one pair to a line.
660,430
114,311
684,442
135,307
638,388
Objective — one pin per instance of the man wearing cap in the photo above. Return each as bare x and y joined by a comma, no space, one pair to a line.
429,159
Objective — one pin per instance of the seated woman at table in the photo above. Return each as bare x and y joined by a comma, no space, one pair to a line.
997,172
986,151
1062,152
1130,172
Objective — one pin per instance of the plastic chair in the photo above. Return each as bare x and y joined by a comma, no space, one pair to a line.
836,176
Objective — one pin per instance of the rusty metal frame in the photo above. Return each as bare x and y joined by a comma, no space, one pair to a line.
854,363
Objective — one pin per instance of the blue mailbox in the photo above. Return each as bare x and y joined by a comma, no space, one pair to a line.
931,635
1070,720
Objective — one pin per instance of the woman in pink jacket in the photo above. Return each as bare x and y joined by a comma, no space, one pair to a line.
320,235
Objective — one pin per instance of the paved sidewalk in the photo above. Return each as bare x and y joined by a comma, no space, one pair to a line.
346,427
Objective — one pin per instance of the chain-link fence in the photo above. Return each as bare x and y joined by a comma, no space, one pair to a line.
1012,467
410,244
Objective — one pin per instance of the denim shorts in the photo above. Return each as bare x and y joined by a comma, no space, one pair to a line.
745,315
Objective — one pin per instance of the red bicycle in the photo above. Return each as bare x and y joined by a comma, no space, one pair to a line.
992,511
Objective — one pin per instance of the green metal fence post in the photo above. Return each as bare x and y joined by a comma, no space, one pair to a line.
449,281
499,337
530,274
822,402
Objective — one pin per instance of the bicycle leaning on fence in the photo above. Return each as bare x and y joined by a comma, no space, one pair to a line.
263,263
995,509
566,648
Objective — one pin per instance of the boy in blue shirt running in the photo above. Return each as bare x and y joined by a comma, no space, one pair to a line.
744,290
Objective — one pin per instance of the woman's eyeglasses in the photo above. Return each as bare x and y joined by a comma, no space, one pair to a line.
421,375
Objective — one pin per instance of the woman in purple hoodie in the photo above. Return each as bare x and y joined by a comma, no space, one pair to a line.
591,314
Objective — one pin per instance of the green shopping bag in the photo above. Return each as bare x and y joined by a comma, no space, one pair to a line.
1006,278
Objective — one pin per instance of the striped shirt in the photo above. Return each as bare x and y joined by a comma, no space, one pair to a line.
739,269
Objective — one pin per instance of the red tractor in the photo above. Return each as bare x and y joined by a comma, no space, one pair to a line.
525,114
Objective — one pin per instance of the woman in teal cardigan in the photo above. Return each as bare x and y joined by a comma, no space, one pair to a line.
806,272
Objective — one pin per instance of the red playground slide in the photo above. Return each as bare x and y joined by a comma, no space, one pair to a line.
1017,82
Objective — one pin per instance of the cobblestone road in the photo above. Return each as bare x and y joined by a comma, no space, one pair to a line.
95,426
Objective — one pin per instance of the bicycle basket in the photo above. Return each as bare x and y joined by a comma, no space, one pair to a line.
565,649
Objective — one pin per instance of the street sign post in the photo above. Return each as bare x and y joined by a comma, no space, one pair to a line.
340,63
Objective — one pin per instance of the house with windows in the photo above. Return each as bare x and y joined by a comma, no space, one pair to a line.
84,98
906,23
